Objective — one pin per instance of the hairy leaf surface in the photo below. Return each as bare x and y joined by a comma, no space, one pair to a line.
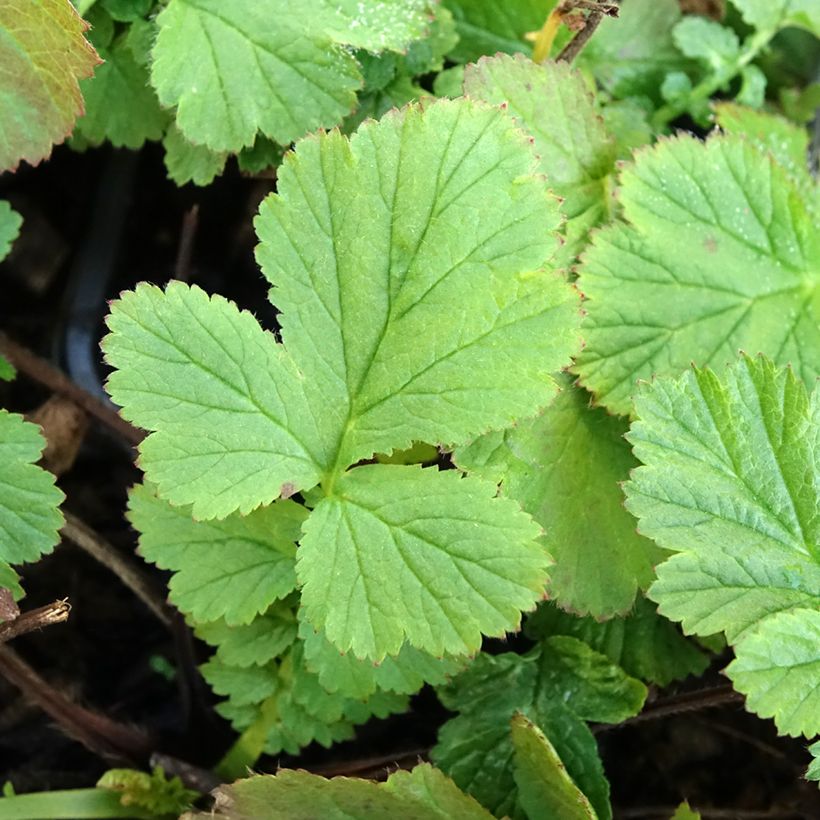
721,252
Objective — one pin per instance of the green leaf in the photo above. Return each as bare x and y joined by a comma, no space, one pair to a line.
813,772
684,812
244,685
7,370
404,673
127,11
777,667
120,105
630,55
730,481
186,162
644,644
232,74
154,792
232,569
29,503
380,559
43,55
776,14
486,27
10,223
706,40
720,253
553,104
544,787
558,685
423,794
565,469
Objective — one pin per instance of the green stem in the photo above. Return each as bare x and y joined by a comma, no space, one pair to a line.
754,44
249,746
70,804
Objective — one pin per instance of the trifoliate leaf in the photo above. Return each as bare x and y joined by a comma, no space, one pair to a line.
232,569
544,787
186,162
120,106
565,469
558,685
43,55
772,15
631,55
553,104
721,253
253,65
486,26
404,673
381,558
266,637
813,772
29,503
777,667
644,644
423,794
10,222
153,792
730,481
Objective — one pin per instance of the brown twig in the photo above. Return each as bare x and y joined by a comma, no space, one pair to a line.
573,48
372,767
101,550
185,249
679,704
47,615
43,372
95,731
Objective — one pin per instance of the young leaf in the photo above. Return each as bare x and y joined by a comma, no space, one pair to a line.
730,481
7,371
423,794
10,222
552,103
29,504
153,792
558,685
43,55
186,162
544,787
231,73
644,644
232,569
380,558
565,469
720,253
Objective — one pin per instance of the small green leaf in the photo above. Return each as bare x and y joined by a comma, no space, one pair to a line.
776,14
10,223
684,812
232,569
186,162
380,560
706,40
7,370
29,504
43,55
244,685
777,667
565,469
153,792
721,253
813,772
127,11
423,794
544,787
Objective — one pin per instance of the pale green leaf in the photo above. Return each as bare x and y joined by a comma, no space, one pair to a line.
558,685
120,105
553,104
706,40
565,469
186,162
155,792
775,14
644,644
232,569
730,480
721,253
43,55
813,772
382,557
232,418
29,502
231,73
544,787
404,673
10,223
487,26
684,812
423,794
425,225
777,667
